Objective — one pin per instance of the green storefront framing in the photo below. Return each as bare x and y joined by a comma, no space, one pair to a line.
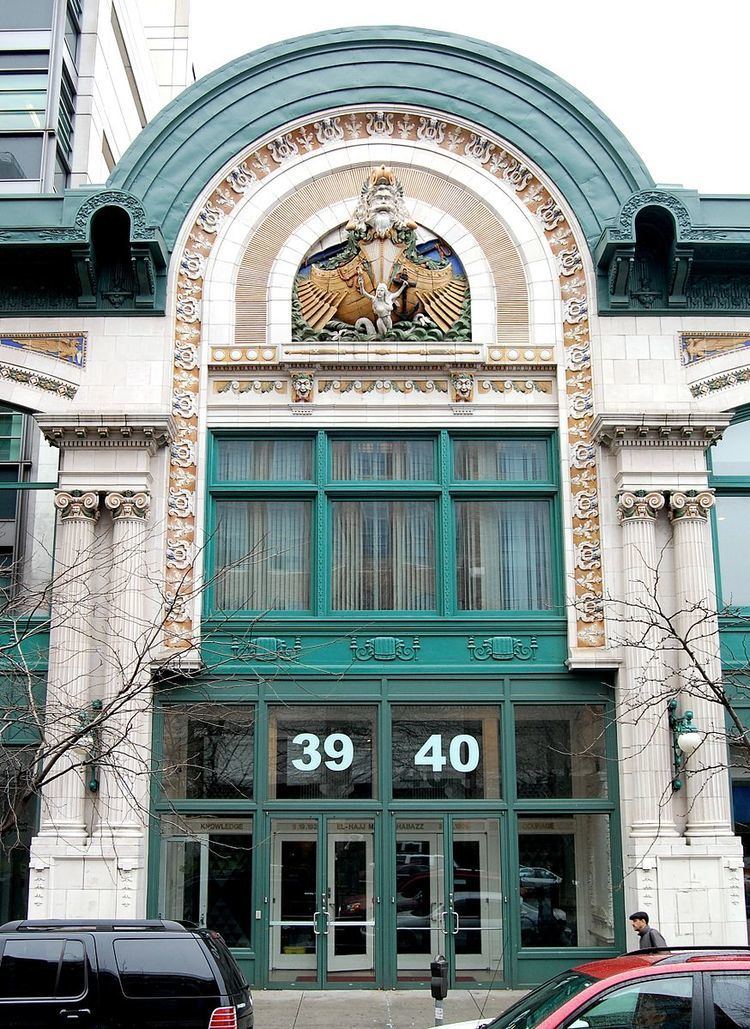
309,659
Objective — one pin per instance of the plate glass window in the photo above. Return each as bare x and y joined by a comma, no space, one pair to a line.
446,753
560,751
208,752
322,753
565,881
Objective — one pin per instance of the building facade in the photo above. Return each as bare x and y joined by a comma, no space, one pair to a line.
79,79
363,417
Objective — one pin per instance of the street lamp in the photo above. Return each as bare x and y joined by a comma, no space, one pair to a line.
686,738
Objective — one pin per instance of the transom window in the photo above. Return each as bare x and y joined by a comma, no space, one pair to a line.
434,524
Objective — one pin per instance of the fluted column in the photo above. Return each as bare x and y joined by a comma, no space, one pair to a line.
644,737
125,764
707,781
71,634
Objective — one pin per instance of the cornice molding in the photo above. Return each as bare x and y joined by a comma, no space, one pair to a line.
617,431
83,431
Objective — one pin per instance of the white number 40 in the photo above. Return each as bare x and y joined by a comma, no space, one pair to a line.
463,754
337,747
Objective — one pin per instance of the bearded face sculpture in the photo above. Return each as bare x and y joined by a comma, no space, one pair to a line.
387,280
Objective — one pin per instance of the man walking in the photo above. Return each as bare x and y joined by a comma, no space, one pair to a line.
649,937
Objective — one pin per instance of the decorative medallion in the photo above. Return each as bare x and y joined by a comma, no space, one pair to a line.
448,137
503,648
384,280
385,648
265,648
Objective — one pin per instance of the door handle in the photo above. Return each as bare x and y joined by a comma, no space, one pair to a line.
315,923
327,919
443,926
457,925
72,1014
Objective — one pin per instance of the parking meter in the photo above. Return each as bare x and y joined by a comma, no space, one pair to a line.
439,977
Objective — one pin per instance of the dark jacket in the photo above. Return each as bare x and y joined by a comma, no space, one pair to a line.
651,937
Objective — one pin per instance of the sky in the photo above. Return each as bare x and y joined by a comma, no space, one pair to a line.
673,76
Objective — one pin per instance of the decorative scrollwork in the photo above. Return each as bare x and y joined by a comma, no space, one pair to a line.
385,648
265,648
503,648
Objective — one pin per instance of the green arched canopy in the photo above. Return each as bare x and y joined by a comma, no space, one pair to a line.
581,151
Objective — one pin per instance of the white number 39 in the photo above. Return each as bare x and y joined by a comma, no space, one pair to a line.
337,747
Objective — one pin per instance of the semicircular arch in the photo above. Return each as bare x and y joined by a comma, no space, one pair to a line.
253,97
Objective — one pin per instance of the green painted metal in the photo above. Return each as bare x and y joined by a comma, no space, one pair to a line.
72,279
686,274
209,124
221,630
521,966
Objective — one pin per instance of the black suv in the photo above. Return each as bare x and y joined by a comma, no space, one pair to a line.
146,974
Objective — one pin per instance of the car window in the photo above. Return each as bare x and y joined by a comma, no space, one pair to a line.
731,1001
535,1006
164,968
29,968
71,979
233,978
663,1003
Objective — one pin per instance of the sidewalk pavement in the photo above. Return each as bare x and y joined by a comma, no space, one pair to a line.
373,1009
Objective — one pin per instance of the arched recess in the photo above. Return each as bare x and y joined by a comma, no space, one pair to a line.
557,268
491,259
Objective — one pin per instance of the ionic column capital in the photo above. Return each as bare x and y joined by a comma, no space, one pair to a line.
691,504
77,504
128,504
640,504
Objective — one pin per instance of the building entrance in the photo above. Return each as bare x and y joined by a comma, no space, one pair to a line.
323,900
448,897
350,904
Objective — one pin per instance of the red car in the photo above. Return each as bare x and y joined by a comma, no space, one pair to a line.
689,988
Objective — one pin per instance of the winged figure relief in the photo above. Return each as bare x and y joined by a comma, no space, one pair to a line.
381,276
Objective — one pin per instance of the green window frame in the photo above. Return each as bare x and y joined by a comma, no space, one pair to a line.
727,487
17,490
449,488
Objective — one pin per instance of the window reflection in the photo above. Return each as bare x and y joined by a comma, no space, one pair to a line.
564,882
322,753
560,751
208,752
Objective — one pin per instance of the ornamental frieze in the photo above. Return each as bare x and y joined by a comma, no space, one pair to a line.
700,346
385,648
503,648
443,136
63,346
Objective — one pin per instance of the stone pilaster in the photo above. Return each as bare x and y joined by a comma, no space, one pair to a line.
124,773
644,737
707,781
63,798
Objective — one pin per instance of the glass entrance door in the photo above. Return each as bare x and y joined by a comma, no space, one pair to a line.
448,898
323,901
206,876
